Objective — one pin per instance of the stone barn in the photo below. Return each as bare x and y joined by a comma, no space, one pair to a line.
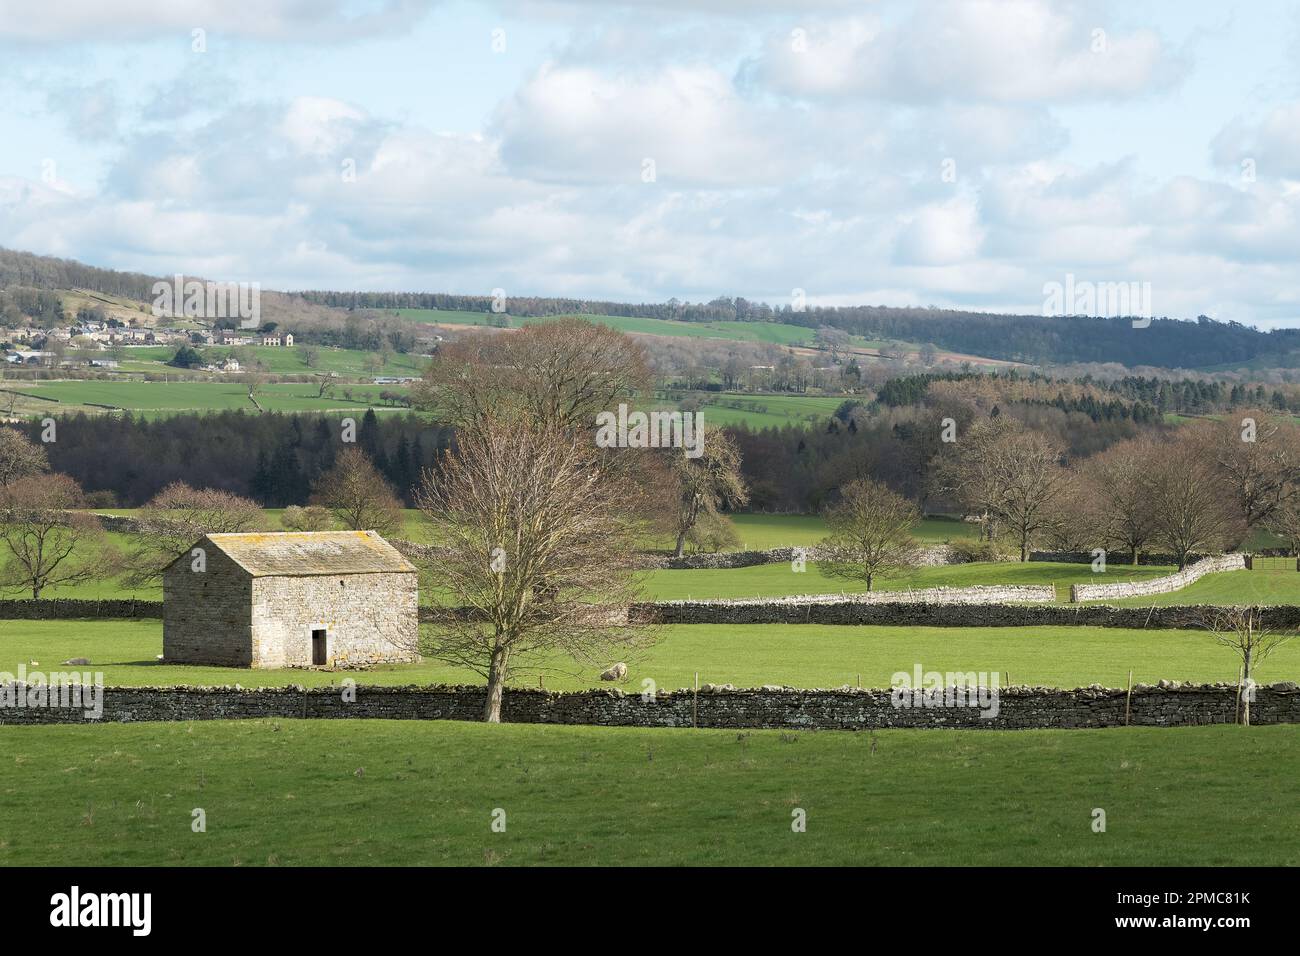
290,599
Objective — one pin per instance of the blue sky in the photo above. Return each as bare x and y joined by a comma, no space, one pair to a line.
953,153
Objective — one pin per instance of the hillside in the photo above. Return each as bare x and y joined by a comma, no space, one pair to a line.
39,287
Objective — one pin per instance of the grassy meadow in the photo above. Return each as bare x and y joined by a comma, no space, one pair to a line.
354,793
1230,587
774,332
724,409
152,399
746,655
292,360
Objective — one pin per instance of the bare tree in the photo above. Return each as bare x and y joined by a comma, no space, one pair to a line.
1010,474
1257,456
49,544
1285,523
871,532
19,457
562,372
177,517
358,495
704,484
538,536
1242,629
1077,520
1187,502
1118,479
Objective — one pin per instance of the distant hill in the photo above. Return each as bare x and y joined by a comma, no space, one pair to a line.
1032,339
27,284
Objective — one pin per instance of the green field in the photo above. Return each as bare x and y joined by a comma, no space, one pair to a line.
722,409
746,655
763,532
1230,587
354,793
774,332
153,398
290,361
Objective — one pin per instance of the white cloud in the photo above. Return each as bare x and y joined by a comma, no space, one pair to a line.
824,173
940,234
287,20
581,125
1266,147
1007,51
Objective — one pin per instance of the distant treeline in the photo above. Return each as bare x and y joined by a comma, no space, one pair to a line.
1035,339
275,458
1143,398
272,458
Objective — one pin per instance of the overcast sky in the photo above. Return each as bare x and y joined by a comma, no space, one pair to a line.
947,153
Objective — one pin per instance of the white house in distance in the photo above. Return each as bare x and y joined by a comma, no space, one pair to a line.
290,599
280,341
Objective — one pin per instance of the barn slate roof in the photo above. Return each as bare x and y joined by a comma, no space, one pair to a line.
310,553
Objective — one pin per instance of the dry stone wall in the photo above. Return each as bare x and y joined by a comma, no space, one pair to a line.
1173,617
946,615
52,609
1019,708
978,594
1161,585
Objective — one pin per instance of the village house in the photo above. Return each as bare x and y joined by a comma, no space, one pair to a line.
290,599
280,341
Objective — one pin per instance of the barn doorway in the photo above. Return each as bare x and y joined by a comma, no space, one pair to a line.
318,649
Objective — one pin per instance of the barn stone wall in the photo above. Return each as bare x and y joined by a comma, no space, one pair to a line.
1020,708
205,613
368,618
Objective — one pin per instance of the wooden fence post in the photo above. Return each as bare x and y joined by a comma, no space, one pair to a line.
695,703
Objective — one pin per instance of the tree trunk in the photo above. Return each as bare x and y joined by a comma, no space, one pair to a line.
36,594
496,685
681,543
1245,704
869,576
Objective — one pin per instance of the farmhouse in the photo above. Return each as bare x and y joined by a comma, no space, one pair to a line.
290,599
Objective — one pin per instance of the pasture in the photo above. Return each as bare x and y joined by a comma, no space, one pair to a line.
746,655
724,409
357,793
773,332
1272,586
153,399
763,532
293,361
